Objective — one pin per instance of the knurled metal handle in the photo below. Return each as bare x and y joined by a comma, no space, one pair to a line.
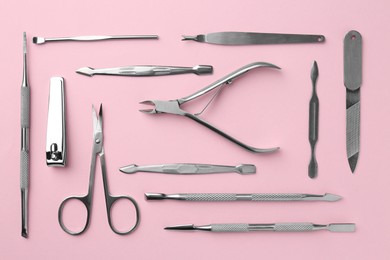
229,227
24,169
293,227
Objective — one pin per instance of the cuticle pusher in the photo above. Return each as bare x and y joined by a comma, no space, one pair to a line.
146,70
189,168
243,197
276,227
25,141
41,40
313,122
252,38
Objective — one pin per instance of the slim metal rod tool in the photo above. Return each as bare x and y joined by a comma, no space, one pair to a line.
146,70
25,144
313,122
276,227
41,40
243,197
189,168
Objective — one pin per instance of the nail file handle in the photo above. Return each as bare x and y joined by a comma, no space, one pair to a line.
242,197
313,133
277,227
25,132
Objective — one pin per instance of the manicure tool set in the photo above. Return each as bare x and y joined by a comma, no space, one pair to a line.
56,147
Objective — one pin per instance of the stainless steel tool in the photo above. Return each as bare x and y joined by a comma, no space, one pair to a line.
41,40
276,227
174,106
242,197
251,38
86,200
353,82
313,122
56,124
146,70
25,141
190,169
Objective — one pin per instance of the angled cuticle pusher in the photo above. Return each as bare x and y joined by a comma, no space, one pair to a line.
146,70
243,197
174,106
276,227
88,38
254,38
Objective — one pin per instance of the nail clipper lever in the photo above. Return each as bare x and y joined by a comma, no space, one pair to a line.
56,132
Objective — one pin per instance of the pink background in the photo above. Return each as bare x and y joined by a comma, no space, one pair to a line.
265,108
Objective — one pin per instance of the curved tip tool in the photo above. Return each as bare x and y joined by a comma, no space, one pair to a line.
87,71
331,197
190,38
129,169
181,227
38,40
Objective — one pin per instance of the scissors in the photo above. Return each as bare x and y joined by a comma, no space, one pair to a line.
98,150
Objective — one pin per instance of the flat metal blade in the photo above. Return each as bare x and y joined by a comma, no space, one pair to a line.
353,81
250,38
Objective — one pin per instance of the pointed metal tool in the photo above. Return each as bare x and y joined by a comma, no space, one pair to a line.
276,227
313,122
146,70
243,197
352,82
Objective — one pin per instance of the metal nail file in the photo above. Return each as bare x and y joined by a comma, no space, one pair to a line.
313,122
253,38
56,129
25,141
353,82
276,227
243,197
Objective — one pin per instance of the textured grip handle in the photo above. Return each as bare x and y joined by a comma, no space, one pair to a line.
277,197
293,227
230,227
24,169
25,107
210,197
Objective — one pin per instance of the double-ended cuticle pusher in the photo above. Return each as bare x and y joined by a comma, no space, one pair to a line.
254,38
243,197
276,227
146,70
41,40
189,168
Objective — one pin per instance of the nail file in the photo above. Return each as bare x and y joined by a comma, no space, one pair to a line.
353,82
251,38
